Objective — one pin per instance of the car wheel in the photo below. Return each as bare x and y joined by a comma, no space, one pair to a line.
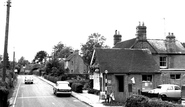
163,97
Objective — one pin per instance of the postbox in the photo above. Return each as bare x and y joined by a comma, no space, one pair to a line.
183,95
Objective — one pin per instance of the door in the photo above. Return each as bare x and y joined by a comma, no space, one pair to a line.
120,90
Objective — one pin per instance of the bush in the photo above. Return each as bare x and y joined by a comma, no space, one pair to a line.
93,91
3,95
77,87
83,82
136,101
142,101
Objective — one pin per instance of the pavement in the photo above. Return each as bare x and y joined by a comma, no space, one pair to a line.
90,99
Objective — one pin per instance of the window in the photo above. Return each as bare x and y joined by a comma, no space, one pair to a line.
170,88
147,78
120,80
177,88
159,87
163,62
175,76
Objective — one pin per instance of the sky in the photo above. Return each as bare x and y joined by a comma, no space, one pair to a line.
37,25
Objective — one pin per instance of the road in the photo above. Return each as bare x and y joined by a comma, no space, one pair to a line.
40,94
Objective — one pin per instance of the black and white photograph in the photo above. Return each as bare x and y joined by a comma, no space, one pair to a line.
92,53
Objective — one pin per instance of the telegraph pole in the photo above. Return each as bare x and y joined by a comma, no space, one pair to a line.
6,40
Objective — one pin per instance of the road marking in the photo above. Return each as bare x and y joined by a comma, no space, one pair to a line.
35,97
76,100
16,94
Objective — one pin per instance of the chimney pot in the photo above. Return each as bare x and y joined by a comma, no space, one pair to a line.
143,24
115,32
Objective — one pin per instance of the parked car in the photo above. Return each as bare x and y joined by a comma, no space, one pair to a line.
28,79
168,90
62,87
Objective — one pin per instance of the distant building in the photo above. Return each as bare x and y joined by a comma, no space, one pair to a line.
75,64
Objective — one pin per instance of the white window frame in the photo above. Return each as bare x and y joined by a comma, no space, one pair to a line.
163,61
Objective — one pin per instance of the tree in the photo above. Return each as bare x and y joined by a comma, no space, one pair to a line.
1,57
22,61
8,62
95,40
61,51
55,67
40,56
1,64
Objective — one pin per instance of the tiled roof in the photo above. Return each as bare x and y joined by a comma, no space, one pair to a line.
125,44
162,46
119,60
70,56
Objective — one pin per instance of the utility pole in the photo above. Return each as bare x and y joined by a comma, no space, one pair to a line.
6,40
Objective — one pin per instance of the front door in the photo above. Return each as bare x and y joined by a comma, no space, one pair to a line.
120,90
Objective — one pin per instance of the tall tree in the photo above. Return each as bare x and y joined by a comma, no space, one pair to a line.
40,56
22,61
95,40
61,51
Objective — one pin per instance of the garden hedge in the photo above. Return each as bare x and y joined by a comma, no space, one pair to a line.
77,87
142,101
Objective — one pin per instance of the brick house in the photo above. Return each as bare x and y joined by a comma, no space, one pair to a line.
129,71
75,64
169,53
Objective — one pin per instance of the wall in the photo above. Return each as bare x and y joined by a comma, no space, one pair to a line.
76,65
167,80
178,61
136,87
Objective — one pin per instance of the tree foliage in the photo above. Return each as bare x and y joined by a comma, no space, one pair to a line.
22,61
61,51
95,40
55,67
1,57
8,66
40,56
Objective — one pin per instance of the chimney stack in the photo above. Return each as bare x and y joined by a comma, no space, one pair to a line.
117,37
170,37
141,32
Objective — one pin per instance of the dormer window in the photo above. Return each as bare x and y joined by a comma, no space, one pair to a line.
163,62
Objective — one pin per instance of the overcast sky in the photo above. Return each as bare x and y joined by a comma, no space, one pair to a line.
40,24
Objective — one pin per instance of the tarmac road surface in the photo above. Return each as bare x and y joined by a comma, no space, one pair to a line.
40,94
